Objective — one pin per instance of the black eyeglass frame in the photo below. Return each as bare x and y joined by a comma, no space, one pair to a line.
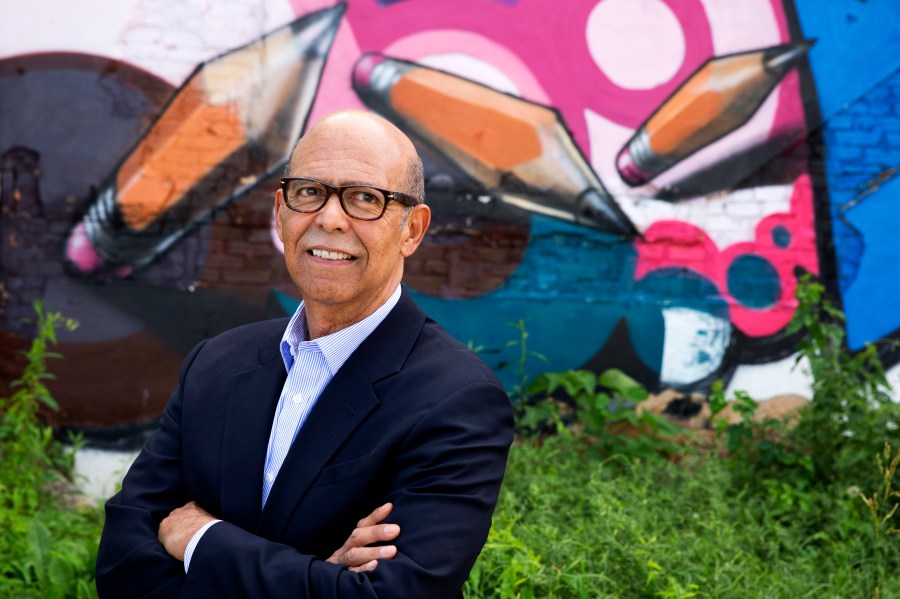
401,198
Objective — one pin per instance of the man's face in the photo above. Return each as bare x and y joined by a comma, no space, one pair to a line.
345,268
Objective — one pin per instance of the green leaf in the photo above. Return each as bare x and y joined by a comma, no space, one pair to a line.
623,385
59,573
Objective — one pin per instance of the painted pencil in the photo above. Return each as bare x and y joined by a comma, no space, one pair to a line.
519,151
229,126
719,97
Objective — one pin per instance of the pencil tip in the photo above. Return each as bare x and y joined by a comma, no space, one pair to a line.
599,210
320,27
784,57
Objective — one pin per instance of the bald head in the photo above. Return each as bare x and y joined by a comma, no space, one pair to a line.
364,131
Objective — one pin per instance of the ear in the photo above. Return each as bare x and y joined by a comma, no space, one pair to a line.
278,206
416,225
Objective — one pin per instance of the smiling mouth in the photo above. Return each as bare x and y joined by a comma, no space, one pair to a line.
331,255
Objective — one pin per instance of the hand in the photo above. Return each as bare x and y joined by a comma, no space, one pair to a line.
176,529
355,554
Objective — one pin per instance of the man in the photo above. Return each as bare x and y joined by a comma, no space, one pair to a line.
268,454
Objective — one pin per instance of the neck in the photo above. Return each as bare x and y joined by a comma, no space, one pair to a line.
325,319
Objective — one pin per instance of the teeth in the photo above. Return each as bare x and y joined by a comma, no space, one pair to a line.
331,255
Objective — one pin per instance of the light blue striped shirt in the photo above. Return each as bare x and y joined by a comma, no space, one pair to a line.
310,364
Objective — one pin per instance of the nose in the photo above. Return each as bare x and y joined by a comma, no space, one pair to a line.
332,217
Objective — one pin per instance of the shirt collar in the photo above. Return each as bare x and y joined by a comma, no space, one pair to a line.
336,347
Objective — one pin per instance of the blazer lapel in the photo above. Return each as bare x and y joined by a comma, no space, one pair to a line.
343,405
341,408
252,401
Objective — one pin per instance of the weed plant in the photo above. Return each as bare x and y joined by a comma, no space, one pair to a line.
570,524
771,511
48,538
852,414
806,472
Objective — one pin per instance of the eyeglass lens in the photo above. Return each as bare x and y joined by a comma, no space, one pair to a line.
359,202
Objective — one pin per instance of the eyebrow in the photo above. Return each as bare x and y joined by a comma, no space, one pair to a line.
347,184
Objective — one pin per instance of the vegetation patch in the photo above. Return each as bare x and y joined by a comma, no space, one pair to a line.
600,499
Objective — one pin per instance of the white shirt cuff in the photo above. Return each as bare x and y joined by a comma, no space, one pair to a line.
192,544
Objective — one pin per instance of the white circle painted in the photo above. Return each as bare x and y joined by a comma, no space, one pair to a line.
638,44
695,345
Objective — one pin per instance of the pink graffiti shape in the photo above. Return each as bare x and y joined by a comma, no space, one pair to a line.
675,244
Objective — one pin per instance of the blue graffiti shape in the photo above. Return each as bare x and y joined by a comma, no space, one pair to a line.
753,281
781,237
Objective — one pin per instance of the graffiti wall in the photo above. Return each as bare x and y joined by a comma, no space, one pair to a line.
634,183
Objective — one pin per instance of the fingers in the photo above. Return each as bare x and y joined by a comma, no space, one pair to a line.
367,535
377,515
364,559
357,553
367,567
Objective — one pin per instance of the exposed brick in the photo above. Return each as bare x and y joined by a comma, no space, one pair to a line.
436,267
246,276
742,208
260,235
245,247
210,275
232,233
260,262
225,261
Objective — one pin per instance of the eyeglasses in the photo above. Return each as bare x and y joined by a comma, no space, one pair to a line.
358,201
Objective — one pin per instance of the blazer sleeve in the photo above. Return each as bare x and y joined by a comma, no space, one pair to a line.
449,472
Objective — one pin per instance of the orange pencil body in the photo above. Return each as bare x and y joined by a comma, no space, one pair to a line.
519,151
719,97
232,123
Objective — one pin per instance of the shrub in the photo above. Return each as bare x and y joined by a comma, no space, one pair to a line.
600,407
48,536
852,414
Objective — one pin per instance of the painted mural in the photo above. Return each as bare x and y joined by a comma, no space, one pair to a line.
640,183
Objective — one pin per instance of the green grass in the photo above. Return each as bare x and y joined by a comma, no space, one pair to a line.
572,524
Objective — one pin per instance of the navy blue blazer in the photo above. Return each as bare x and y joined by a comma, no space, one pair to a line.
412,417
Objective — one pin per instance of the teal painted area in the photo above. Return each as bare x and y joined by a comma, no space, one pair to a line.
571,288
566,332
288,303
672,288
781,237
753,281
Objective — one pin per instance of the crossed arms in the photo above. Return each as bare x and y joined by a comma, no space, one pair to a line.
436,457
357,554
